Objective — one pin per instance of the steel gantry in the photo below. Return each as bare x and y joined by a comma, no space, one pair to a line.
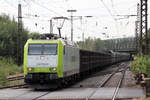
143,27
137,29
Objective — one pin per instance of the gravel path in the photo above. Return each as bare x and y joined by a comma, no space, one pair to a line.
129,80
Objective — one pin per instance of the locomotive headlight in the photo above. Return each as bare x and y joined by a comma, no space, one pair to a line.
53,69
30,69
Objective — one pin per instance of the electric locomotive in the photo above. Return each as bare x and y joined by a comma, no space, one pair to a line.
47,61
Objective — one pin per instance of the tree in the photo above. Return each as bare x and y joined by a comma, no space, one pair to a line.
98,45
34,35
92,44
149,37
8,37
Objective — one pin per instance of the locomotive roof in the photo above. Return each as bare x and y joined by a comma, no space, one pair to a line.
65,42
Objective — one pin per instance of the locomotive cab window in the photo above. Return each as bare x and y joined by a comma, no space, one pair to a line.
42,49
35,49
50,49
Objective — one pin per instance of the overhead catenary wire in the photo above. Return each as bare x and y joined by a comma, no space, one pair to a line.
29,15
109,11
125,2
57,11
56,6
113,16
46,8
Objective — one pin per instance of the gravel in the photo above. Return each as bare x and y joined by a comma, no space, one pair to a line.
129,80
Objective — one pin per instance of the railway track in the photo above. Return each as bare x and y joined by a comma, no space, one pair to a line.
14,81
121,70
119,84
98,85
107,78
99,79
75,93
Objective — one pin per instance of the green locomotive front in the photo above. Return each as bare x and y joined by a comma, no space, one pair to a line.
47,61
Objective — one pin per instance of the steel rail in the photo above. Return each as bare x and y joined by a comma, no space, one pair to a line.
104,81
119,84
41,96
16,79
20,85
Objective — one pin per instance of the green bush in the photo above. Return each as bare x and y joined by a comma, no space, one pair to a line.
3,79
141,64
8,67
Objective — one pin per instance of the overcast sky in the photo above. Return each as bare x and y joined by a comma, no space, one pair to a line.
103,20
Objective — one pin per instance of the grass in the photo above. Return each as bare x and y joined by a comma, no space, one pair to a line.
8,67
